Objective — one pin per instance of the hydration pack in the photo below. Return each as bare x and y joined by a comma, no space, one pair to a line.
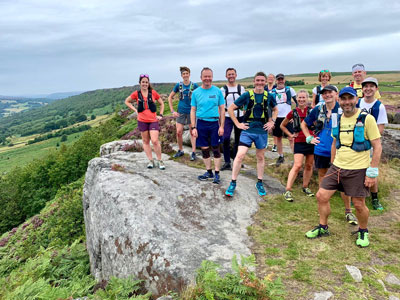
320,122
288,95
191,88
359,143
357,89
150,102
318,94
374,110
297,119
261,107
239,92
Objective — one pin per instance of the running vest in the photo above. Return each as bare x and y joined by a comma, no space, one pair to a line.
150,102
359,143
297,119
252,105
239,92
357,89
374,110
318,94
288,95
191,88
320,122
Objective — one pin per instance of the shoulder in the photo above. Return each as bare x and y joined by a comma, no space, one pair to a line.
155,94
134,95
314,90
242,89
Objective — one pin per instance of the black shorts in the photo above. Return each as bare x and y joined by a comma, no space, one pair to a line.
277,129
303,148
322,162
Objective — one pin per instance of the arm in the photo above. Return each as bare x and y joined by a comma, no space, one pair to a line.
284,129
171,107
314,98
381,127
333,150
231,111
161,102
376,157
221,120
193,120
295,100
271,121
128,103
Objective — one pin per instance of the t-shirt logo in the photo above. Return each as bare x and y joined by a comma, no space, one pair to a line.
212,96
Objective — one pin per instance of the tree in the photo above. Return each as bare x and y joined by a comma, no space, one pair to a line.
64,138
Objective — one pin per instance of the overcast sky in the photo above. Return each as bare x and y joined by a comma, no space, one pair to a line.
68,45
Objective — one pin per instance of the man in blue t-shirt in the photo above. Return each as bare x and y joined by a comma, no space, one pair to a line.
321,118
255,126
207,117
185,89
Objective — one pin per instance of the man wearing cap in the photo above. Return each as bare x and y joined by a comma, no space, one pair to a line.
359,74
374,107
352,172
321,118
283,97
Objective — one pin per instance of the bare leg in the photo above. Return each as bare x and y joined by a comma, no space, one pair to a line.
324,207
237,163
146,144
179,132
156,143
260,162
298,162
321,174
308,169
362,211
279,145
193,140
346,200
207,161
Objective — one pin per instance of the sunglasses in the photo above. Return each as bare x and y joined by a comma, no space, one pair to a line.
144,76
324,71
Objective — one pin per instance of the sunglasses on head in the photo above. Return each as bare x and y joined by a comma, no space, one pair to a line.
358,65
144,75
324,71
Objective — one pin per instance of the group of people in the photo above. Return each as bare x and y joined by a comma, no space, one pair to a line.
338,133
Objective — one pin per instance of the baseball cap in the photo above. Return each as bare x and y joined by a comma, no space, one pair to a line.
280,75
370,79
348,90
329,87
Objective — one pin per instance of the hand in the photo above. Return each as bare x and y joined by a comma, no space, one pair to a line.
159,118
221,131
295,135
315,141
175,114
269,125
194,132
369,182
243,126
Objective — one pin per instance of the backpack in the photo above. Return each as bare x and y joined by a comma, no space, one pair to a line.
288,95
320,122
249,108
297,119
191,88
374,110
318,94
150,102
359,143
357,89
239,92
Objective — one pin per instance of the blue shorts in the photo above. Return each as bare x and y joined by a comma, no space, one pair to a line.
260,140
208,133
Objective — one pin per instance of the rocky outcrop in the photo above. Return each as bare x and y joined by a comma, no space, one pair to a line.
159,225
391,144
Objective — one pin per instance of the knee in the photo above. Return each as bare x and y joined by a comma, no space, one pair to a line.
205,152
260,157
296,168
216,151
155,142
146,142
179,132
322,198
359,205
240,156
308,167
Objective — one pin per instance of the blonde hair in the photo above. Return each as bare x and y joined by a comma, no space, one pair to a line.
320,75
304,91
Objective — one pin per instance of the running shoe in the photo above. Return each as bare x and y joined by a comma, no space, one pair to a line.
288,196
362,239
280,160
317,232
178,154
161,165
351,219
193,156
226,166
376,204
274,148
206,176
216,179
150,165
308,192
260,188
231,189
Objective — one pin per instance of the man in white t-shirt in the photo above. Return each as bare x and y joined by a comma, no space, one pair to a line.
374,107
283,96
231,91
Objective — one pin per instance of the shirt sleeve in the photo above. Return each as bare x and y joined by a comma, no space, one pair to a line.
242,90
176,88
372,130
271,100
242,100
223,91
310,119
155,95
195,86
289,116
292,92
314,90
193,100
134,95
382,117
221,99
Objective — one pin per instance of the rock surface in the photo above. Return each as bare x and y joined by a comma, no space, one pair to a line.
391,143
160,225
115,146
323,295
355,273
392,279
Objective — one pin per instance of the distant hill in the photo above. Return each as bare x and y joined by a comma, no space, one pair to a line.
63,95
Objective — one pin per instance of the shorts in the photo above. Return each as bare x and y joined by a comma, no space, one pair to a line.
208,133
183,119
144,126
351,182
322,162
259,140
303,148
277,131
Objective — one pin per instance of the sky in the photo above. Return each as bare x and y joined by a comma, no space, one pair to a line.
53,46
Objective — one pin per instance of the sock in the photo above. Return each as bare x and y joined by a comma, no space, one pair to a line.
347,211
233,181
374,195
259,180
362,230
209,171
216,172
323,226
